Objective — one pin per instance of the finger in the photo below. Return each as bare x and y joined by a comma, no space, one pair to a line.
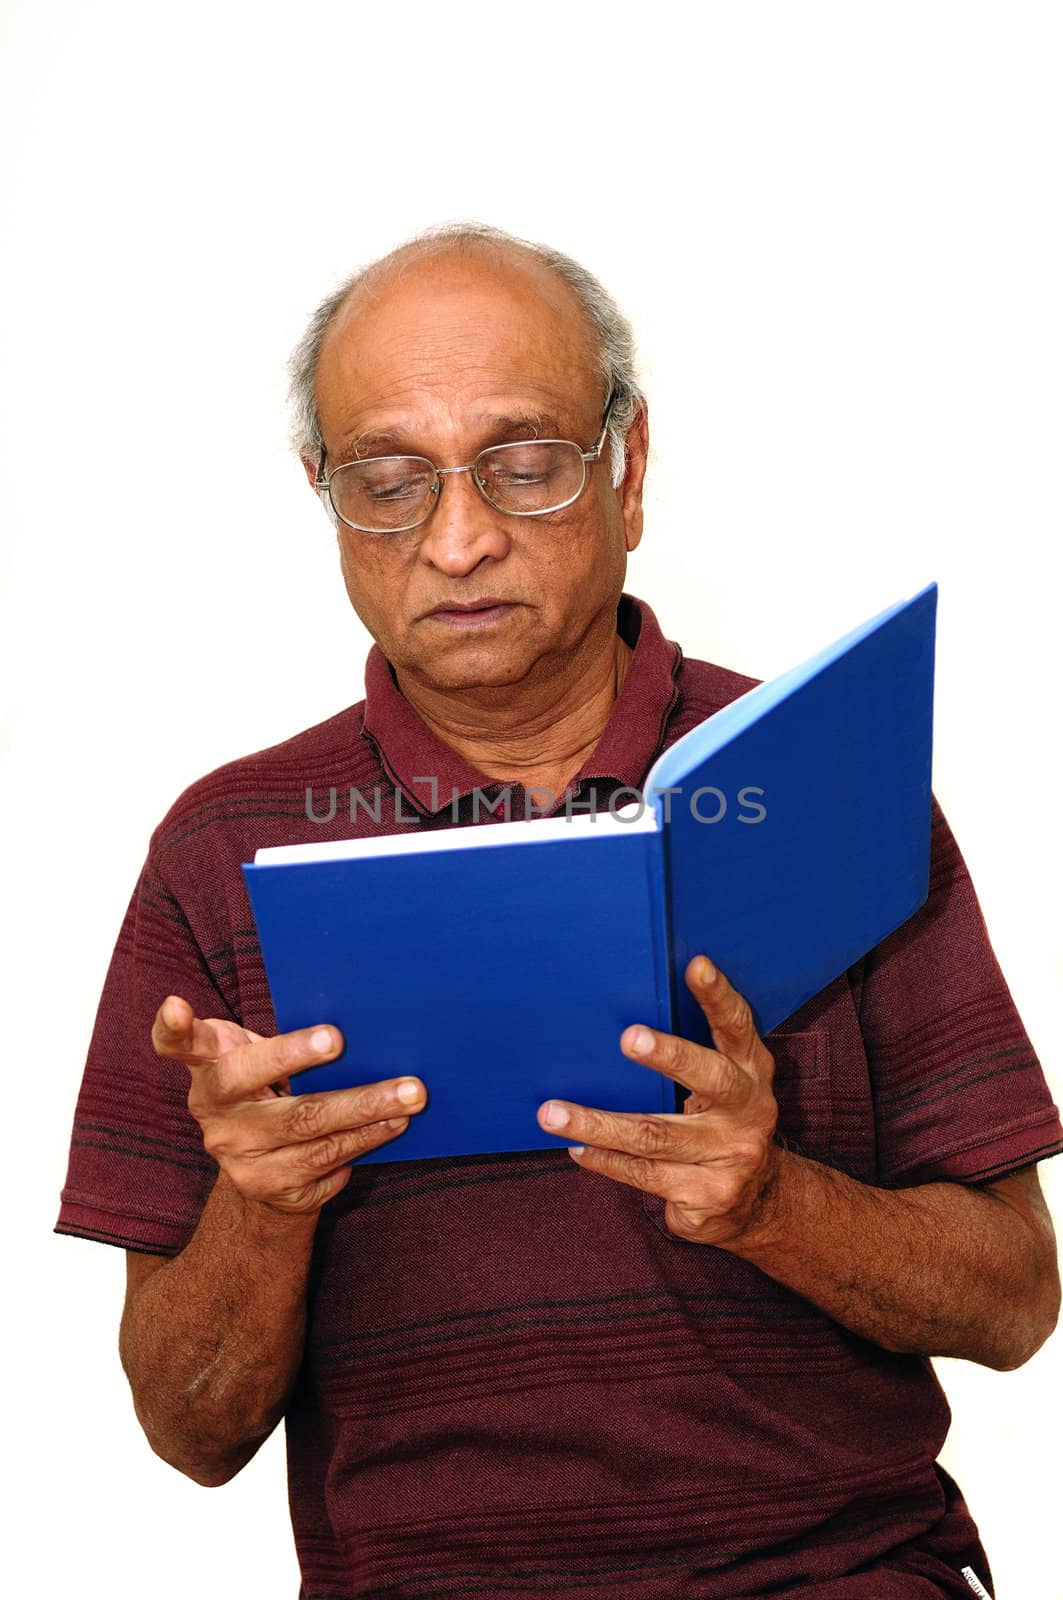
712,1075
728,1013
700,1200
664,1136
291,1123
309,1118
242,1072
283,1172
671,1180
308,1197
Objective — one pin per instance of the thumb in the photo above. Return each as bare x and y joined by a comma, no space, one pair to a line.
182,1036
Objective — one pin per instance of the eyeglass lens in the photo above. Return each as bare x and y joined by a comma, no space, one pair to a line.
395,492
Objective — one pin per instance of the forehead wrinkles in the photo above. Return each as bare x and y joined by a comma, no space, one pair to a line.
487,421
422,332
445,389
451,408
450,357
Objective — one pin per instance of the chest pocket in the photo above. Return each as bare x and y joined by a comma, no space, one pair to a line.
802,1087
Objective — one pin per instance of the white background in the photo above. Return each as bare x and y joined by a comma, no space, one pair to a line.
837,230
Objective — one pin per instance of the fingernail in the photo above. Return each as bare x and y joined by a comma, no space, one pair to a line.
408,1091
554,1115
169,1016
706,972
641,1041
321,1041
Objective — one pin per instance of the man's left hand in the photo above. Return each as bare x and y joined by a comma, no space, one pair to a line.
715,1162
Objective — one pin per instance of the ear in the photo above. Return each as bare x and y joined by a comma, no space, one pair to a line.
637,448
310,468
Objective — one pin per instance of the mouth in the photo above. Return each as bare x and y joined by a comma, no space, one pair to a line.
471,613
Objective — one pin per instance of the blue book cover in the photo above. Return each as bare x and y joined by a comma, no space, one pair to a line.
784,837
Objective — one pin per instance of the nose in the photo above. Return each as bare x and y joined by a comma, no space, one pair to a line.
463,530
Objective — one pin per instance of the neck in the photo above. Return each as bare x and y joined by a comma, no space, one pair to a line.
537,734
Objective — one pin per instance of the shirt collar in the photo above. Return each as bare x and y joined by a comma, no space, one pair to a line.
413,756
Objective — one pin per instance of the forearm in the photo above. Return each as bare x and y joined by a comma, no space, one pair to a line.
212,1341
940,1269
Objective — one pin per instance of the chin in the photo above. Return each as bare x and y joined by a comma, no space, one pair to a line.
455,676
472,668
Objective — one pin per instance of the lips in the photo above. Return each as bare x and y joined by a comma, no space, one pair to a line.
466,617
468,607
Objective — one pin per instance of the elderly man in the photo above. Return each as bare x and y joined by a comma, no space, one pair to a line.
687,1355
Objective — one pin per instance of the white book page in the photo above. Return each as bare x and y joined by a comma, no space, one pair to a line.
542,830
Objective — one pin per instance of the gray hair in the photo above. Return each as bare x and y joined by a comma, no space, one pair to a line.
615,340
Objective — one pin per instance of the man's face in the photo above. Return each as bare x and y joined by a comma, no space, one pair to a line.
452,354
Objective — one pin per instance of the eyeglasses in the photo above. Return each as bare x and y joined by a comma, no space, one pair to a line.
391,494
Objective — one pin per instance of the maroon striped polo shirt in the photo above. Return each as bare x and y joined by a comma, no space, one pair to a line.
516,1380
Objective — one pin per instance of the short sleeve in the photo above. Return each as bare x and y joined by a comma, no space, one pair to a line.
958,1092
138,1175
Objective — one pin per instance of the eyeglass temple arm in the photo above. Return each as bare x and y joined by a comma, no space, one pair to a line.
592,455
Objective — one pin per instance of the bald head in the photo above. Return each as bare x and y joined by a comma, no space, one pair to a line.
466,322
498,256
568,295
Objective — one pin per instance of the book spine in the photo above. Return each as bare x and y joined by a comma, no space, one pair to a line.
661,936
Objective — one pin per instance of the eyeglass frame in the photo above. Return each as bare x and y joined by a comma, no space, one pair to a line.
323,485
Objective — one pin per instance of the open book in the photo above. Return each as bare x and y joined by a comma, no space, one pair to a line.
783,837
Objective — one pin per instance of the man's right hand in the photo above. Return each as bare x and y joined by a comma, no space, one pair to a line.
289,1152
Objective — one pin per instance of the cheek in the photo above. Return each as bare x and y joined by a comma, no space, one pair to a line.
351,577
605,554
605,529
586,559
370,581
